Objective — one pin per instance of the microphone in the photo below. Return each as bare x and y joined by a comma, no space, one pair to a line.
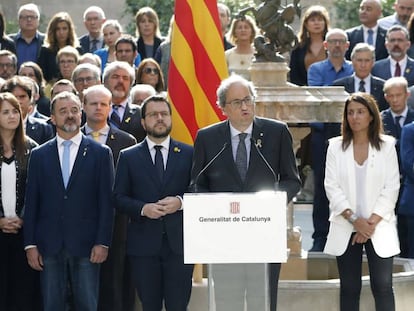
276,184
194,184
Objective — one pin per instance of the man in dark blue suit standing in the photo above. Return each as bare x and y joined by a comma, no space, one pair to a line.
394,119
151,178
68,213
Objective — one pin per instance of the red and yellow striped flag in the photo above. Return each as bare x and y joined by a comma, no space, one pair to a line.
197,67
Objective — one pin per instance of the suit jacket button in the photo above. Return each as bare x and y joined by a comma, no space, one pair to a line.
65,197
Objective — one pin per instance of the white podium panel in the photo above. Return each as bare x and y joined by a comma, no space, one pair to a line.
235,227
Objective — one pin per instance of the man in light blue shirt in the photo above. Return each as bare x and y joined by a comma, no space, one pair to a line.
324,73
403,10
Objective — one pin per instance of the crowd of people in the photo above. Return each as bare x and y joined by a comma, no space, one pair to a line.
92,183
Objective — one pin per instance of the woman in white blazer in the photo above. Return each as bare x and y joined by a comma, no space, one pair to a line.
362,183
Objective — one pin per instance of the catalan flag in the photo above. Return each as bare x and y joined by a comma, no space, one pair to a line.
197,67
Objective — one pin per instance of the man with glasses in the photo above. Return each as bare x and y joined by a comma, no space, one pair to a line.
84,76
324,73
251,154
28,40
150,181
8,64
93,18
397,63
403,10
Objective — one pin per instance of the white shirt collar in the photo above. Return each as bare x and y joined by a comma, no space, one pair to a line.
234,132
75,139
165,143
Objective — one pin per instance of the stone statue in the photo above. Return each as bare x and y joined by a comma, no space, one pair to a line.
278,36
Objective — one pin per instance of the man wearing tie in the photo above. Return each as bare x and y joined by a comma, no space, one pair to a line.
394,118
252,154
397,63
363,58
116,291
68,213
369,31
118,77
93,18
151,178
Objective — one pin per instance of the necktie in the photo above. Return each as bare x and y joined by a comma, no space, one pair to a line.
66,161
398,125
115,119
94,46
159,161
397,72
95,135
241,156
361,86
370,39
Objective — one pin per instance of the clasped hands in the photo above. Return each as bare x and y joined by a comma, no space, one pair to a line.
365,228
10,224
167,205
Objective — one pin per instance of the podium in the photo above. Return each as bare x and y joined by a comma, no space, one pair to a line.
237,235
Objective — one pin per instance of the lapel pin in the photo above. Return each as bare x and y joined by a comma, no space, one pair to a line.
176,149
84,151
127,120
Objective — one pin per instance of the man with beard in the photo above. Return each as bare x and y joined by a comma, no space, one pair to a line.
403,10
68,212
324,73
118,77
151,178
398,63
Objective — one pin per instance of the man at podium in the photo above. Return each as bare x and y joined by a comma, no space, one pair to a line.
244,153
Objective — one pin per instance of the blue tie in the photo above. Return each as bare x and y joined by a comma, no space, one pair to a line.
115,119
66,161
370,39
398,126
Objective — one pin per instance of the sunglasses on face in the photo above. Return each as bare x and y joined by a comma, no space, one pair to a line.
154,71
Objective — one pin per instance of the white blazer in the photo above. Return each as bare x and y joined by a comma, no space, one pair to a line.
382,185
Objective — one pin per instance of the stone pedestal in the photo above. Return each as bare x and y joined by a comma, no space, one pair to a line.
297,106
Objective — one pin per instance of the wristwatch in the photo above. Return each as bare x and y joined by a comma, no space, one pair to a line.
350,216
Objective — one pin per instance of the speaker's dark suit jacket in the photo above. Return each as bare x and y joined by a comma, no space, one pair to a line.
382,70
356,35
39,130
75,218
274,142
131,122
377,84
85,44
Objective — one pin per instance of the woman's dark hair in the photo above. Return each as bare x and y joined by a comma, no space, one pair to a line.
159,87
375,126
19,139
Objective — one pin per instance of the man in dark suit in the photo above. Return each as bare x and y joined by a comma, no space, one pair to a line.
363,58
268,149
397,63
28,40
68,227
93,18
369,31
118,77
150,180
393,119
23,89
116,288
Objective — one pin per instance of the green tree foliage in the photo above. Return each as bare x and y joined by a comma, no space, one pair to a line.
347,12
